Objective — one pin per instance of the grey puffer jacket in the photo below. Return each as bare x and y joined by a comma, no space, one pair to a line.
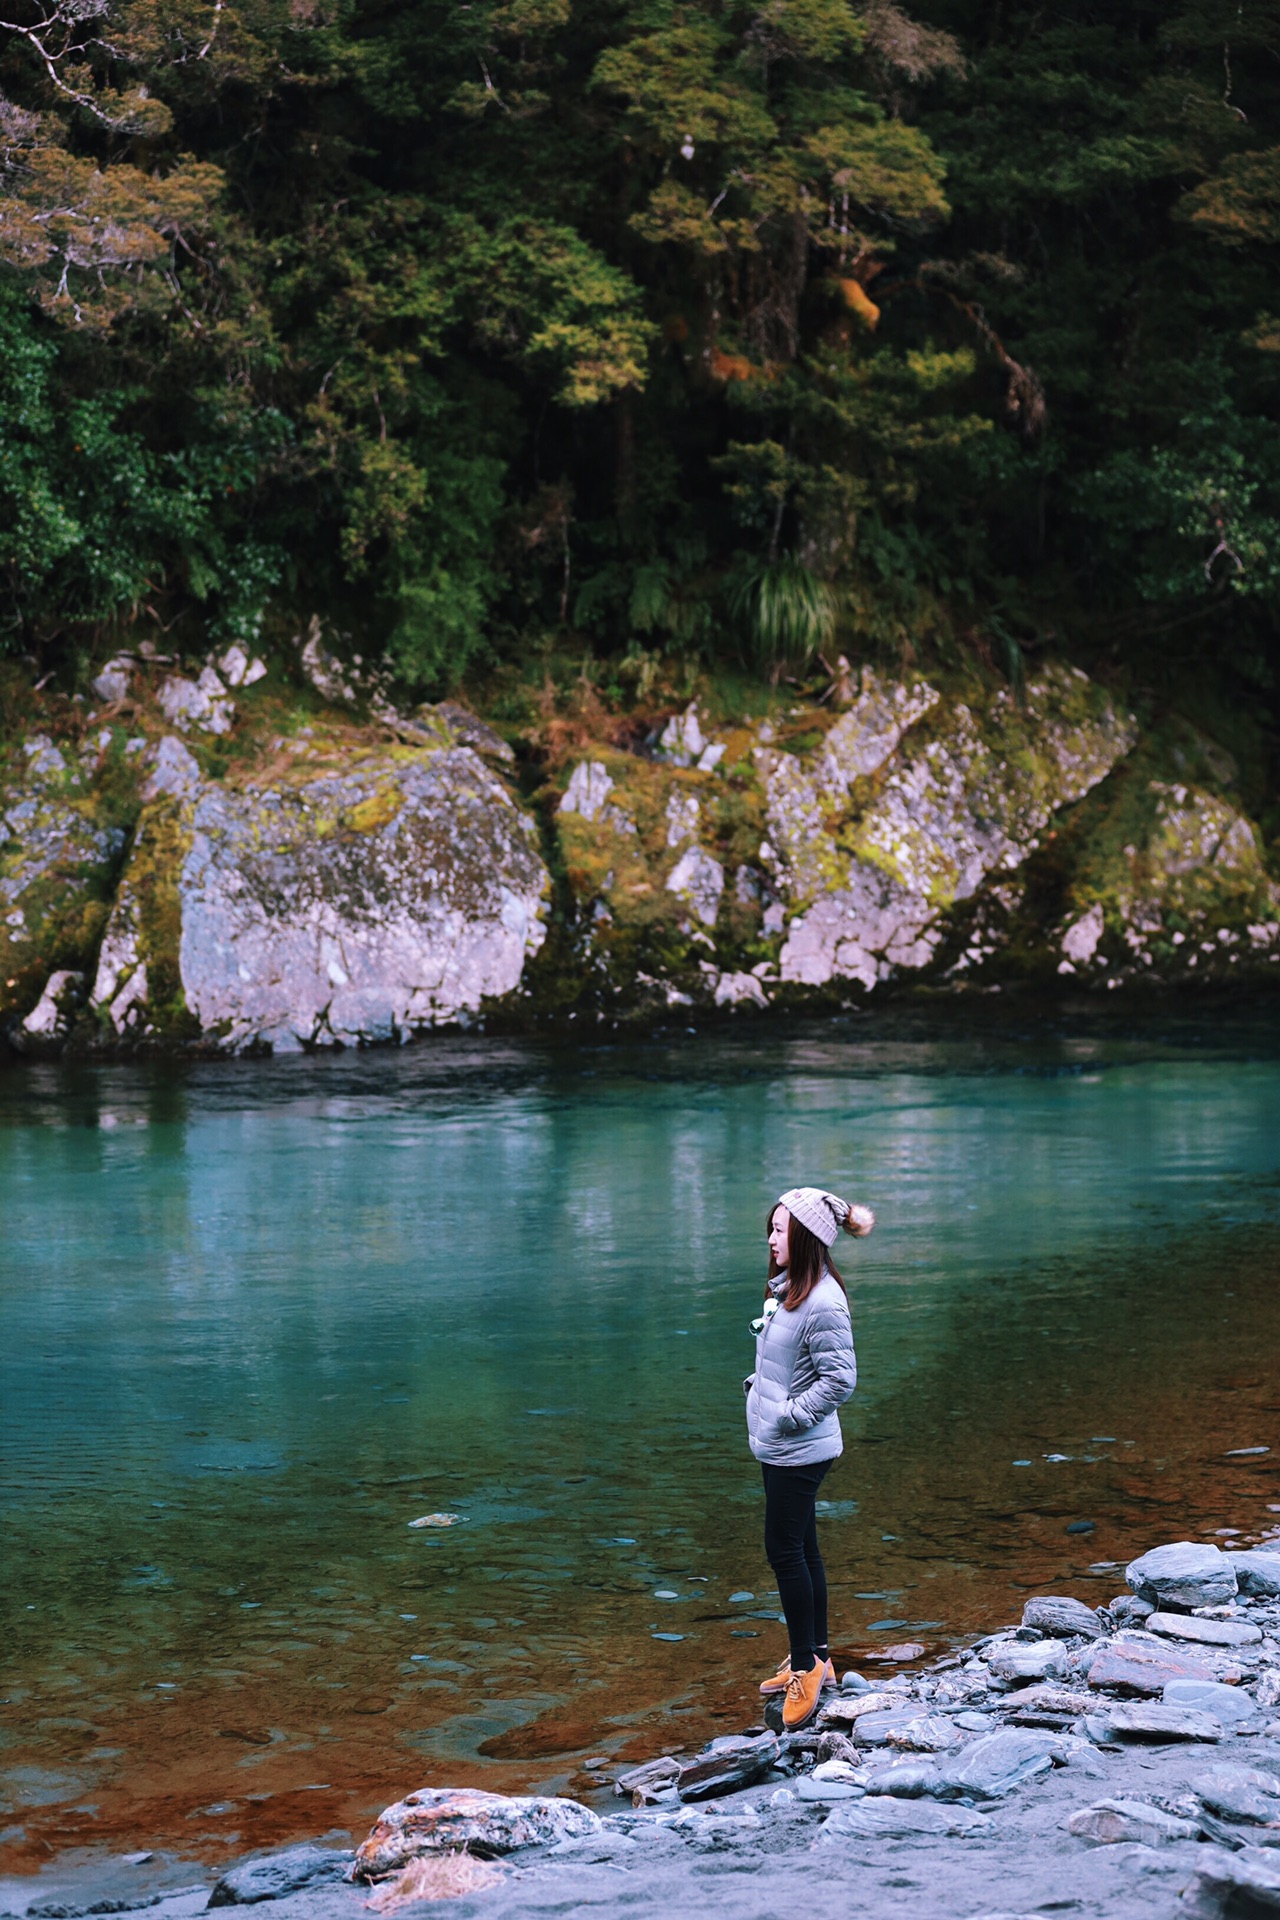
805,1369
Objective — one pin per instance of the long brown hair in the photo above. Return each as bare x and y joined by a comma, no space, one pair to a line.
807,1260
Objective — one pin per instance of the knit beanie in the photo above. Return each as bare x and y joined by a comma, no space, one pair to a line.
825,1213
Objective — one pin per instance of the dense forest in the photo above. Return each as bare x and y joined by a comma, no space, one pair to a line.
746,331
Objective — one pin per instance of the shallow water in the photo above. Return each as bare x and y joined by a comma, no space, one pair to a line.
259,1317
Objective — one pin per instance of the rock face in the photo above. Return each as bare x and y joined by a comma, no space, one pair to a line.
57,863
1182,1576
1168,874
963,800
56,1009
137,989
322,888
345,907
203,703
487,1824
360,906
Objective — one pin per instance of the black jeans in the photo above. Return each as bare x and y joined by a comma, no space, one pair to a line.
791,1547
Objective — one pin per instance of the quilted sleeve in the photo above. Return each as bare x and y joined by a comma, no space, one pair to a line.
829,1340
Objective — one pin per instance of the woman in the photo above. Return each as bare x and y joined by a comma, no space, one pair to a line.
805,1368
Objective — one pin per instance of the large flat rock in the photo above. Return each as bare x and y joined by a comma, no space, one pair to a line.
1130,1665
1110,1823
997,1763
887,1819
1183,1575
274,1875
1160,1720
1229,1884
1204,1633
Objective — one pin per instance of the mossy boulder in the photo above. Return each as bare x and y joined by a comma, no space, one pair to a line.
1165,872
58,860
396,891
925,799
818,848
137,990
661,861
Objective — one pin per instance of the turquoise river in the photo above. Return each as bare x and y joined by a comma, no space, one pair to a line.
259,1317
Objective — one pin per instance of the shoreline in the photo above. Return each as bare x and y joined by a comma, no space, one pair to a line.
944,1789
901,1011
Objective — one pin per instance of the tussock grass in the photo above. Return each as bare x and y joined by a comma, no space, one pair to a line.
434,1876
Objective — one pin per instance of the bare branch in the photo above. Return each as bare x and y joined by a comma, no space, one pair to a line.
213,31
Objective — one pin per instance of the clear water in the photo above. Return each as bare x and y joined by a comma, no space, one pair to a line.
258,1318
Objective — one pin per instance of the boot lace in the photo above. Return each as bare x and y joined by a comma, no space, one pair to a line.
796,1685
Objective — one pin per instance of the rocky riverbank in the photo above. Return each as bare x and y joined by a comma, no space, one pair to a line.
244,858
1112,1762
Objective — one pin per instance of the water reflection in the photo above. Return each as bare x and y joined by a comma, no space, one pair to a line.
259,1318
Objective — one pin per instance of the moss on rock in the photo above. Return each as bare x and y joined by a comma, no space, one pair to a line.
58,861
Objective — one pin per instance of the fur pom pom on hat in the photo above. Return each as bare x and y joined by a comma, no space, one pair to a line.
826,1213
